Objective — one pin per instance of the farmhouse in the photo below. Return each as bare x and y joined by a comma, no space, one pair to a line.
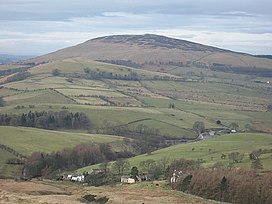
127,179
75,178
176,174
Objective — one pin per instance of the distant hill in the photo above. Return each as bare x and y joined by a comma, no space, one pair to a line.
7,59
160,53
264,56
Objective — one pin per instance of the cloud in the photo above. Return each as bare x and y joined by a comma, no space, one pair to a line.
56,24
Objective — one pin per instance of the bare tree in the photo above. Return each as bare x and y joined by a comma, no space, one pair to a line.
120,165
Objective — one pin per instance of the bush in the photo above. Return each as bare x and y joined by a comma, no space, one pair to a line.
55,72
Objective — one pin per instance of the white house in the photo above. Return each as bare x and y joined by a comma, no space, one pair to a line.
127,179
175,176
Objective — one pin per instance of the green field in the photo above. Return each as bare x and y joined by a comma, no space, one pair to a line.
206,97
211,150
7,170
28,140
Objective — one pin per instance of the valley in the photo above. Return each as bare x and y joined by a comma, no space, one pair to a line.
138,94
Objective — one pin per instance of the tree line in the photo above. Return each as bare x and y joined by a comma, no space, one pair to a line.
97,74
19,157
241,70
42,164
47,120
146,139
12,71
18,76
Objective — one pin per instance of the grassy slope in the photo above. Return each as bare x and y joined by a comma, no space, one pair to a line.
77,65
6,169
242,142
243,101
28,140
193,104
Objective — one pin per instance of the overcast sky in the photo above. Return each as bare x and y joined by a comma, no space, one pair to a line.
34,27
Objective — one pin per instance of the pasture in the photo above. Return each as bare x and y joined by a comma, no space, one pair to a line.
210,151
124,101
28,140
169,106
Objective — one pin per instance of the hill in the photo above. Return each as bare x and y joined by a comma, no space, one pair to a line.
210,151
7,59
160,53
28,140
108,80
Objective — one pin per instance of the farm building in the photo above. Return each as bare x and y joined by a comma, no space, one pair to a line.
127,179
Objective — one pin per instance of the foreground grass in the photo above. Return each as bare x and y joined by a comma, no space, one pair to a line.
66,192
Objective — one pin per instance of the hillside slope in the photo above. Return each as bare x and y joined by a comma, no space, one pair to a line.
210,151
161,53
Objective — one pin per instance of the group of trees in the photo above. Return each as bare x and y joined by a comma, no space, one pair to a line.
19,157
234,186
56,72
146,139
113,171
227,185
42,164
97,74
269,108
241,70
18,76
127,63
12,71
47,120
199,127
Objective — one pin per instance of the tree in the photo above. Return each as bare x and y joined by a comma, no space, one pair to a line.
255,155
2,102
120,165
223,156
155,170
164,162
106,150
134,172
224,185
199,127
218,122
248,127
55,72
87,70
185,183
172,105
104,165
234,126
147,164
256,164
236,157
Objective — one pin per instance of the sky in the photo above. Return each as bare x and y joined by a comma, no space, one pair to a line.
36,27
